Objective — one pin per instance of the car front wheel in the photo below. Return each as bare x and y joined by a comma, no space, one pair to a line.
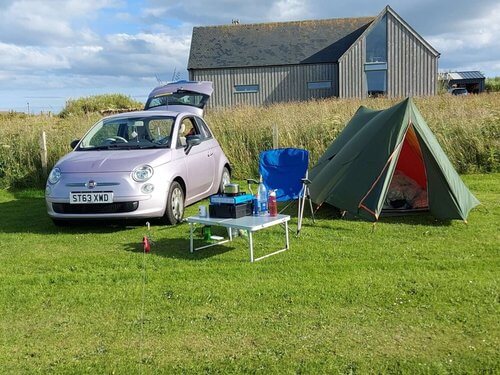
175,204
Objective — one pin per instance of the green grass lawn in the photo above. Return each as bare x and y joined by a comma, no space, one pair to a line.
414,295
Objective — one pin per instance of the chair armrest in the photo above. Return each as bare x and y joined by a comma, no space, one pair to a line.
252,181
306,181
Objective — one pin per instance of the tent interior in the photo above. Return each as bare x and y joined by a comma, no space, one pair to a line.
408,188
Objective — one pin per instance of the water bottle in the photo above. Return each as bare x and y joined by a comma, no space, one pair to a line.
273,205
262,198
255,206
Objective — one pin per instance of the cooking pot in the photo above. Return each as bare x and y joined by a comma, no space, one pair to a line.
231,189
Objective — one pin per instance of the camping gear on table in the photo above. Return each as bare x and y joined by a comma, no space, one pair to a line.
231,189
230,206
272,204
377,147
262,199
285,171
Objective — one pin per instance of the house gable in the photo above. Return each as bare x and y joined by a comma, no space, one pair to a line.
403,23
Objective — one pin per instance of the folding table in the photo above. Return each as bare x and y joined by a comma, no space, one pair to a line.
248,223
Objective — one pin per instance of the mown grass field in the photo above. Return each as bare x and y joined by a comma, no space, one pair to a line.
413,296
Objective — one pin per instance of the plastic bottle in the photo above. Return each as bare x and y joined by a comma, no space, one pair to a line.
273,205
255,206
262,198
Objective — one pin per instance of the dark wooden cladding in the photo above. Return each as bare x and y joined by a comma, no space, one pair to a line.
351,73
411,66
276,83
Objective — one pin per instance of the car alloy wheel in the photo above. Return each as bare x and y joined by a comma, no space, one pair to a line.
225,179
175,204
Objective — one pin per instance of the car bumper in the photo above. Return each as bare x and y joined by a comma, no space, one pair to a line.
128,200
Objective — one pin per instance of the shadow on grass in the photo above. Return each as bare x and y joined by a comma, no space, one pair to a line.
415,218
27,214
178,248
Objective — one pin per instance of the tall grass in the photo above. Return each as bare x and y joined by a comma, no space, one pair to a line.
493,84
468,129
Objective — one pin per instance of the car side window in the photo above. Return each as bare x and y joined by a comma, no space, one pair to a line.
204,130
187,127
159,130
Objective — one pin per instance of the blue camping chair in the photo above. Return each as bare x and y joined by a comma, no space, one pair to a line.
285,170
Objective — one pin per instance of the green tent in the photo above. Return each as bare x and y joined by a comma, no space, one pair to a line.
389,161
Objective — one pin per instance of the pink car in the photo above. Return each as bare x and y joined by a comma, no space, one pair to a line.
145,164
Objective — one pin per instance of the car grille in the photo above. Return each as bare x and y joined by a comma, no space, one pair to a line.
108,208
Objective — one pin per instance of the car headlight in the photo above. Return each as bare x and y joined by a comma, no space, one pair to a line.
142,173
54,176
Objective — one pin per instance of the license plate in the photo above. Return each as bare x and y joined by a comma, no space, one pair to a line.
94,197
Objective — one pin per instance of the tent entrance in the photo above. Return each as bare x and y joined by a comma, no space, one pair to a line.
408,188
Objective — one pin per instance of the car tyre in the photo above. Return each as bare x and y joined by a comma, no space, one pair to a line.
224,180
174,211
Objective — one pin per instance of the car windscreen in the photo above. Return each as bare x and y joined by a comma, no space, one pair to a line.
180,97
120,133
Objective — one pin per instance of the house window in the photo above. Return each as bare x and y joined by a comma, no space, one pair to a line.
319,85
246,88
376,82
376,59
376,42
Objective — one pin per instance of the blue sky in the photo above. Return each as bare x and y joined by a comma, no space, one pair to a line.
55,50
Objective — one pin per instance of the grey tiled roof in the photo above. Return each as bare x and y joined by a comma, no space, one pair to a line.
280,43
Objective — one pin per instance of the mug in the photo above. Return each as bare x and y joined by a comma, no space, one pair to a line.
202,211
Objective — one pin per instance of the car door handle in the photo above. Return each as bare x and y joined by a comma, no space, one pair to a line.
210,153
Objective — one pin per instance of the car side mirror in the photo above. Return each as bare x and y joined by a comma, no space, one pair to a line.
73,143
191,141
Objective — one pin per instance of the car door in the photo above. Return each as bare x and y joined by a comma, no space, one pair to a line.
199,161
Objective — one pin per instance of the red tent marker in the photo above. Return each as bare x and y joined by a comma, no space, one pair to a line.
146,244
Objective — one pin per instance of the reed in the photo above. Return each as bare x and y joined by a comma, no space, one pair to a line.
467,127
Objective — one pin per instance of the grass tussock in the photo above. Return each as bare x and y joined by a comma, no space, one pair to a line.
96,103
468,129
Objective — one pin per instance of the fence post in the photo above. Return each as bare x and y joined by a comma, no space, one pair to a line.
43,153
275,135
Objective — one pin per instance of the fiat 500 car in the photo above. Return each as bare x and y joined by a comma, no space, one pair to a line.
145,164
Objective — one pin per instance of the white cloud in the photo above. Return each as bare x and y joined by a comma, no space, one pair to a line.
15,58
289,10
475,45
95,45
36,22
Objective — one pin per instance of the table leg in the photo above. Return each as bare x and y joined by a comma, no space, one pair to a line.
286,235
191,237
250,240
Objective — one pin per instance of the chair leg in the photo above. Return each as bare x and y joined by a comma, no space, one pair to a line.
302,202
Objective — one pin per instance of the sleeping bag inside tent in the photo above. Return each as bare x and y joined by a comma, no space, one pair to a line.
389,161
